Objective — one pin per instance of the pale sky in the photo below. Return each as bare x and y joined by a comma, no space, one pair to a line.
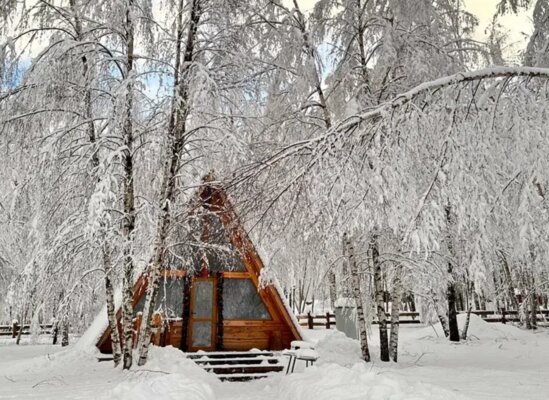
484,10
517,24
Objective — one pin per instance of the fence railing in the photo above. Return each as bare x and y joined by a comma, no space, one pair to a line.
411,317
328,320
13,329
505,316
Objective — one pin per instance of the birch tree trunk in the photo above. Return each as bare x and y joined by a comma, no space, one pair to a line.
177,131
451,289
316,74
361,30
21,325
533,310
56,325
523,309
465,330
346,289
55,331
65,331
466,326
533,303
526,297
380,306
508,280
105,248
111,311
395,312
440,314
362,327
452,313
333,288
129,196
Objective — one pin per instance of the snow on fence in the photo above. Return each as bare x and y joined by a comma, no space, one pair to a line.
13,329
505,316
411,317
328,320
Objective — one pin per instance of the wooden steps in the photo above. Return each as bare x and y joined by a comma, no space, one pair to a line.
238,366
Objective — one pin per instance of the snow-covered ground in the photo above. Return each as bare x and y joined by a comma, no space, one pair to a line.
497,362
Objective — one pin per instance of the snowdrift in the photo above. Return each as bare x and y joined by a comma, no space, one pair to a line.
478,330
167,375
337,348
360,382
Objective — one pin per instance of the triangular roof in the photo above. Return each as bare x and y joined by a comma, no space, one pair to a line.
271,294
213,198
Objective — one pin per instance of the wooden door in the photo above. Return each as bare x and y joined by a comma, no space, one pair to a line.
202,316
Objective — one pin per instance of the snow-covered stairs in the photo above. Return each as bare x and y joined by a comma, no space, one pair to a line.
239,366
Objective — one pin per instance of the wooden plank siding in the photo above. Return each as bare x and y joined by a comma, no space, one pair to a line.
263,335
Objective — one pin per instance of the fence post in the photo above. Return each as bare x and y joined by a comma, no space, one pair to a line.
310,320
328,320
14,330
503,320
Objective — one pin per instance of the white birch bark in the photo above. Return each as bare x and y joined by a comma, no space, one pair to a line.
395,312
362,325
65,331
177,131
111,311
346,289
510,285
129,200
533,303
440,314
469,309
105,248
316,74
332,288
451,288
380,305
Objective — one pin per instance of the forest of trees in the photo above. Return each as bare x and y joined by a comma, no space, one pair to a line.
373,148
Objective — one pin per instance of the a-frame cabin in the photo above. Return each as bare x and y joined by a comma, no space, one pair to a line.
217,304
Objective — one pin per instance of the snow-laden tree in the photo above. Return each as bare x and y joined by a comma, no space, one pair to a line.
368,52
360,172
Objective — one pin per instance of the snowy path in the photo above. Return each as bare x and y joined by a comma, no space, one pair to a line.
499,362
26,372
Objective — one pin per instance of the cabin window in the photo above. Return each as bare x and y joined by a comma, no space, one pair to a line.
202,334
241,301
203,299
169,300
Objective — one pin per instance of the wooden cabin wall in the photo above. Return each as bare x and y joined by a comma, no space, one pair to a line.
262,335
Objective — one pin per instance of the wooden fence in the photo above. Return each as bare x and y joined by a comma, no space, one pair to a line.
328,320
410,317
13,330
505,316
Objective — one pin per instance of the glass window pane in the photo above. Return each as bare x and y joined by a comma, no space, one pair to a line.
242,301
203,299
170,298
202,334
